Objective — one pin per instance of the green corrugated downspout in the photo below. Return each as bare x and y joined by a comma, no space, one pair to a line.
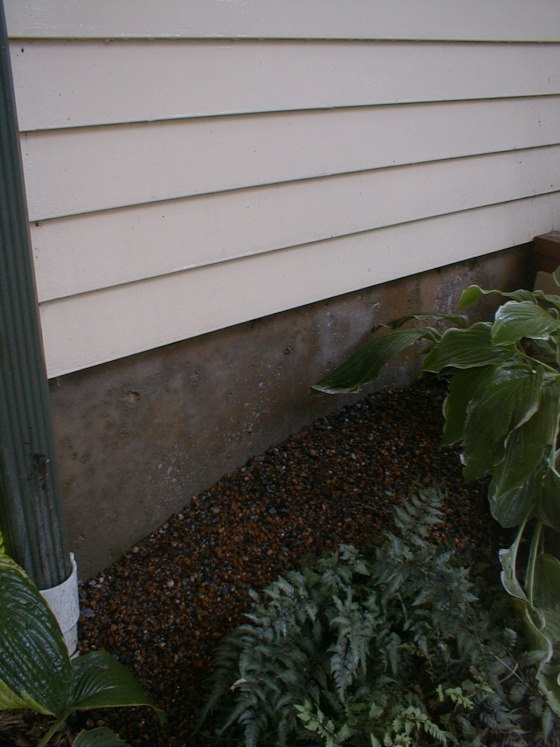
31,516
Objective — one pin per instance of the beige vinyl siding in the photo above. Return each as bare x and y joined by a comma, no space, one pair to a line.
185,304
142,163
472,20
191,165
179,235
83,83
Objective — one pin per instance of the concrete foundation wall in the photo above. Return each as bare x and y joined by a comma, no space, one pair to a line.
138,437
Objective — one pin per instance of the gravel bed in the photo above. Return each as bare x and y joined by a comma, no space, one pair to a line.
164,606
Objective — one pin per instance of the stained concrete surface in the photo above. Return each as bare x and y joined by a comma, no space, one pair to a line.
138,437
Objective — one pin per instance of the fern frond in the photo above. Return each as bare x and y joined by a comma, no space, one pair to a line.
385,646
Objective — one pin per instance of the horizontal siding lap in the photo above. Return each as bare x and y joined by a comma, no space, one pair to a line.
135,164
71,84
80,331
486,20
125,245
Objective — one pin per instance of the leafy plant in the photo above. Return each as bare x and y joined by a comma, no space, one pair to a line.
386,647
101,736
36,671
503,407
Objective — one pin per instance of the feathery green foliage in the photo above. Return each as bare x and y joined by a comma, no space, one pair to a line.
389,647
503,407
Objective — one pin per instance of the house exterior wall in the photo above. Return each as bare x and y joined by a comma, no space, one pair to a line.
138,437
196,164
225,196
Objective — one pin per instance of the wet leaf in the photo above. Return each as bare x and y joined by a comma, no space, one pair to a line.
475,293
515,320
35,668
459,320
550,298
548,498
462,388
546,590
465,348
509,398
509,508
365,365
99,737
528,446
508,560
101,682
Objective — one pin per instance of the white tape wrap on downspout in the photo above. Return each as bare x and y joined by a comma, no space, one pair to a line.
64,603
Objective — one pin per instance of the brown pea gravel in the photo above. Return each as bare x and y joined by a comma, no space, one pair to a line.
165,605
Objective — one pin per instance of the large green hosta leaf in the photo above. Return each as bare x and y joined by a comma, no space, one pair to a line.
458,320
508,399
538,496
465,348
99,737
551,299
515,320
509,508
527,450
475,293
546,590
364,367
462,388
35,670
100,681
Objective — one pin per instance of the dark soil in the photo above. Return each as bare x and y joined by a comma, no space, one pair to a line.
164,606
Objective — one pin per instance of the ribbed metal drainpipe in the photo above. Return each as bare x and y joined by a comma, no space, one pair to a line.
31,515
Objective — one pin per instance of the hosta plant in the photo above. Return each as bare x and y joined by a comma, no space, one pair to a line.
384,646
37,673
503,408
